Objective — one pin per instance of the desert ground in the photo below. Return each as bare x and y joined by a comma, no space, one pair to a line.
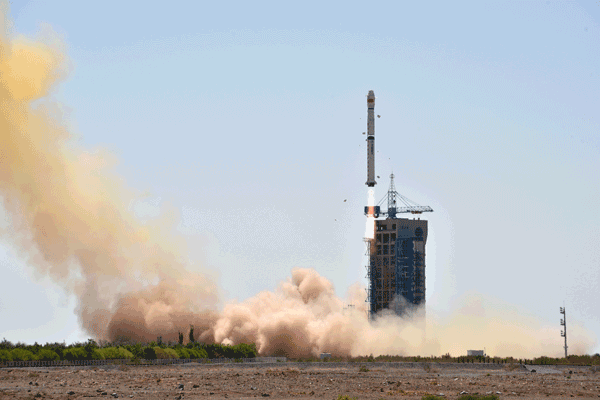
293,380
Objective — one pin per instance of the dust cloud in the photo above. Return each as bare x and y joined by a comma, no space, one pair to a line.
304,316
67,216
68,211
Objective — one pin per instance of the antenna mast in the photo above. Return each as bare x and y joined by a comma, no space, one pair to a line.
563,322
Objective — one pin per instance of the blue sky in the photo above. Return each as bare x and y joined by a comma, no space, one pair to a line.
248,119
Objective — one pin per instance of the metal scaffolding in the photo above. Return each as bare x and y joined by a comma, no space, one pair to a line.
396,256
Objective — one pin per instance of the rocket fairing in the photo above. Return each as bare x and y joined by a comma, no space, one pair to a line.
371,139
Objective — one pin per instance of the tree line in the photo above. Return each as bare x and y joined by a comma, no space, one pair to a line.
543,360
91,350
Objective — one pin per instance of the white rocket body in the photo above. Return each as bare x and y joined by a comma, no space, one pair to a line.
371,139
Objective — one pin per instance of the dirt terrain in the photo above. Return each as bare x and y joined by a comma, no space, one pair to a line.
290,380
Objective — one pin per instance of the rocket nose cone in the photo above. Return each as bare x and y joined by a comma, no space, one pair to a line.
371,93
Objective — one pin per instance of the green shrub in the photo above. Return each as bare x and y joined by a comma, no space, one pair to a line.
136,349
47,355
96,354
56,347
19,354
214,350
126,354
110,353
165,353
432,397
150,353
478,397
74,353
160,353
116,353
5,355
171,353
244,350
197,353
89,348
182,352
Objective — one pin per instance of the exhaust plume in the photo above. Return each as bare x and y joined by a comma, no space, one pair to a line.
370,227
67,216
68,213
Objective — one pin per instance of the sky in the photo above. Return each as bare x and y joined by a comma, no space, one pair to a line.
246,120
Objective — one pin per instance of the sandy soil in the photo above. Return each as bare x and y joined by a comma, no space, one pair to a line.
298,381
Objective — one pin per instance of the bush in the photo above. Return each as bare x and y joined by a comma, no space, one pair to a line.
124,353
241,350
136,349
89,348
160,353
198,353
182,352
5,355
165,353
96,354
74,353
150,353
116,353
170,353
6,345
478,397
214,350
19,354
58,348
47,355
244,350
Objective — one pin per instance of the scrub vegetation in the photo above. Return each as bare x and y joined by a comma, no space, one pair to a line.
109,351
592,360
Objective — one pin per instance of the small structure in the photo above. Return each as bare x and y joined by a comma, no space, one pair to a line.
323,356
476,353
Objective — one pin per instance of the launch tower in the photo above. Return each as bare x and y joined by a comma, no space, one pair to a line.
396,268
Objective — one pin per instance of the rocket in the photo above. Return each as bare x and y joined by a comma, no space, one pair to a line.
371,210
371,139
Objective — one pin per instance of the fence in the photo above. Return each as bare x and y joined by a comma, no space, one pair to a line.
163,361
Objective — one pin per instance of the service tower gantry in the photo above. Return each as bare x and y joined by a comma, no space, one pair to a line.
396,255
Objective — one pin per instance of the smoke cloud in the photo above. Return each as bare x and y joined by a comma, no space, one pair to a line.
305,317
68,217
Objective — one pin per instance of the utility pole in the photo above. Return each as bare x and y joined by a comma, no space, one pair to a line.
563,322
